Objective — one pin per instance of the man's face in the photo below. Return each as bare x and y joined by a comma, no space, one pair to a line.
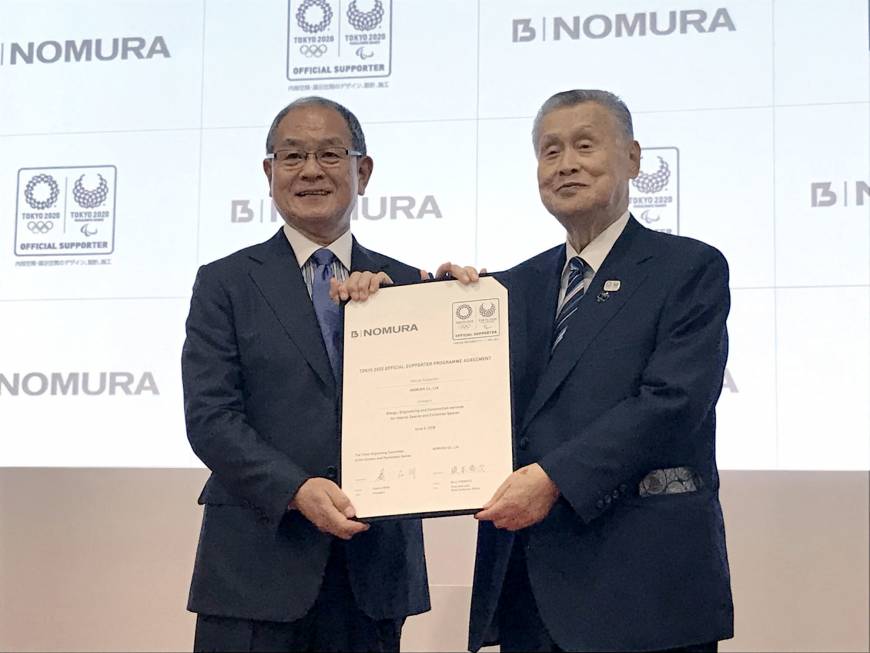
585,162
316,200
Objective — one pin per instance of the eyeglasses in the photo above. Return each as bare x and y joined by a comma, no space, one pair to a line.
328,157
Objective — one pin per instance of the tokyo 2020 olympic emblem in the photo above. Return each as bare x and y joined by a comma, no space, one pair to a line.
40,183
306,20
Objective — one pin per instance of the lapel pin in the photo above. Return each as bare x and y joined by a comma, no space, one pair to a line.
612,285
603,296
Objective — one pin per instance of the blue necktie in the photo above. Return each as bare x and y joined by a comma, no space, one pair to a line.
328,314
571,301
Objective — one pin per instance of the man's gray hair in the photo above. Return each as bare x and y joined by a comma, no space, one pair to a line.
357,138
571,98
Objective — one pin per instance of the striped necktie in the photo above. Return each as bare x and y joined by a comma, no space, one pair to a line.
327,311
573,294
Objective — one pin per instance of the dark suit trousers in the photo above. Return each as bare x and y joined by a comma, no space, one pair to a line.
519,622
334,623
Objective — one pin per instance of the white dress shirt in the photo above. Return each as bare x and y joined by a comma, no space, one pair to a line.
594,254
304,247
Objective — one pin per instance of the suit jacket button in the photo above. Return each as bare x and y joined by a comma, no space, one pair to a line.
599,504
607,499
623,488
332,472
615,494
524,443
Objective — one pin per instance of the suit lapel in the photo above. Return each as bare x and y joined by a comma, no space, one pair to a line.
363,260
623,263
531,306
280,281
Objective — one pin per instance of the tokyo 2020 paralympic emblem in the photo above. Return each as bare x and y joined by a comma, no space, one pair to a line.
90,199
655,192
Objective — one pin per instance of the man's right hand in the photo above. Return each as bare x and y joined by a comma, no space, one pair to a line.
324,504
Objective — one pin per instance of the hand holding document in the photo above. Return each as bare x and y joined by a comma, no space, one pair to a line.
426,413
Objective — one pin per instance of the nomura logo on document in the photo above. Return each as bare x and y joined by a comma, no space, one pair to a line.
383,330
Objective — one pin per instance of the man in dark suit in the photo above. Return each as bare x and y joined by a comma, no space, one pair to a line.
281,564
609,535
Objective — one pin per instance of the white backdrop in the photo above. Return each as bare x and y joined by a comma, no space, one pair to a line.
150,118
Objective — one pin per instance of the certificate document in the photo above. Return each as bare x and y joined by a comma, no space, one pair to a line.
426,408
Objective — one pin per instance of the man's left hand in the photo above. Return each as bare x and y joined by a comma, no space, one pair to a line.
360,285
524,499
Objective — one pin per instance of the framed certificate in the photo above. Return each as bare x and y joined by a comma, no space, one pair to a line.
426,408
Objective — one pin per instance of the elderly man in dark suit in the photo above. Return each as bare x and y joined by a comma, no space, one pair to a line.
281,564
609,535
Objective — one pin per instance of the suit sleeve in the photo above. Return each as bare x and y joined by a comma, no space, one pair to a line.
677,390
214,408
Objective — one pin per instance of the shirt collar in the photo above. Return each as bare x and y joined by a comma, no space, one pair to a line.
595,252
304,247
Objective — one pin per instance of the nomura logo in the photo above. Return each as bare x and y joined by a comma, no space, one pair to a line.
127,47
621,25
383,330
77,383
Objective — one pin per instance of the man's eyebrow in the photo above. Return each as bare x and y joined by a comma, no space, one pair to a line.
583,129
333,140
574,131
295,142
547,139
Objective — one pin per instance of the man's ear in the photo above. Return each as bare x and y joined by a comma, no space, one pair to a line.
267,168
364,172
634,157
